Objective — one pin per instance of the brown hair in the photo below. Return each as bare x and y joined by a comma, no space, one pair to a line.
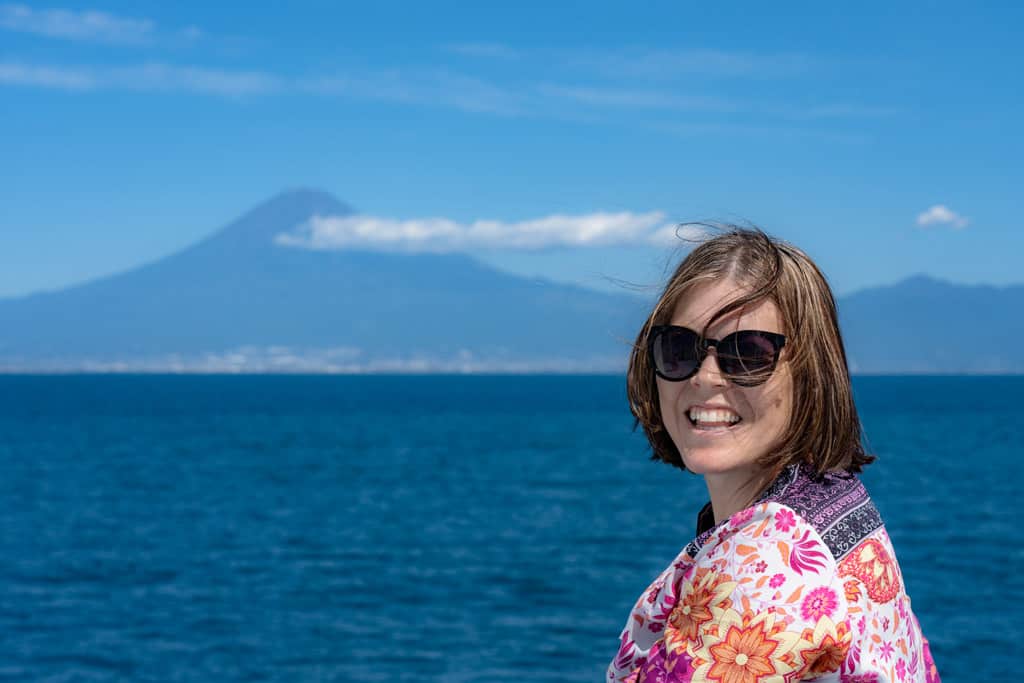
824,430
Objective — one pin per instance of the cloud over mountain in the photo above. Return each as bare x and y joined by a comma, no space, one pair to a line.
445,235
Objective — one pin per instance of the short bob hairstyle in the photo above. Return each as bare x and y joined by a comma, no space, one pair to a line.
824,430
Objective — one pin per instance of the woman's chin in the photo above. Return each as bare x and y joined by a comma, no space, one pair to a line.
715,462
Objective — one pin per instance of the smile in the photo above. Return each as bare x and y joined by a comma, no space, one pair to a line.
717,419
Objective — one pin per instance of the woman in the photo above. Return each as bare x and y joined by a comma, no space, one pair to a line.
740,374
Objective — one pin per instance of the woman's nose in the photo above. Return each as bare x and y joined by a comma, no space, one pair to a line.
708,371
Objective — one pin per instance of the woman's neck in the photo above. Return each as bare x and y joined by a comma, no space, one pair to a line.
731,492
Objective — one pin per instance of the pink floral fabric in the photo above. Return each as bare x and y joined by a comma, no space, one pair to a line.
776,593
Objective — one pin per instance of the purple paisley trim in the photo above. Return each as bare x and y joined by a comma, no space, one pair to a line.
836,504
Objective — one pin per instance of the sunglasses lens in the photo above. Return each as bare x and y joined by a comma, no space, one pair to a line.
748,358
676,353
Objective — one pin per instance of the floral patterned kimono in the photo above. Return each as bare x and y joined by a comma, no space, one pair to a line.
802,585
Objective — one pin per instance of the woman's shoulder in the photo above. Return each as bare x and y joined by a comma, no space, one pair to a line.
833,508
806,532
836,505
817,550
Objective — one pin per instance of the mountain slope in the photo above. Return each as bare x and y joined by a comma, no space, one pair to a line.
238,288
926,325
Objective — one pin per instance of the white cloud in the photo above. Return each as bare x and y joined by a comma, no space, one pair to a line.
940,214
61,78
431,87
144,77
444,235
648,63
486,50
671,64
87,25
157,76
638,99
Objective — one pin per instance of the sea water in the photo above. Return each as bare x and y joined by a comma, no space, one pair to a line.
430,528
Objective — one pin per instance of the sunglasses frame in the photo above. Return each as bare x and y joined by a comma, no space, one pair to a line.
703,344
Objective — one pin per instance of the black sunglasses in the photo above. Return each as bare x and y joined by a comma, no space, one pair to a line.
746,357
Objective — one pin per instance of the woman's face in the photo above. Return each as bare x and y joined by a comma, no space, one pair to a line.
726,453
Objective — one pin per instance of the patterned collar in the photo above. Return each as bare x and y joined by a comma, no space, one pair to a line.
836,504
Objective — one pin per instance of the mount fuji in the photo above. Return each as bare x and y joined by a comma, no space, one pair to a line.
239,301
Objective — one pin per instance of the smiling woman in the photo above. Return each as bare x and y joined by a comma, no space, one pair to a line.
739,374
722,437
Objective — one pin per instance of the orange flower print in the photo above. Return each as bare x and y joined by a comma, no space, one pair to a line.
852,590
830,653
697,601
744,656
870,562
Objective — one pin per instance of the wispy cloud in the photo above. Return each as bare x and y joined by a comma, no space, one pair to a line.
144,77
671,64
445,235
629,98
485,50
681,80
431,87
43,76
420,87
837,111
771,130
86,25
94,26
448,88
666,99
649,64
940,214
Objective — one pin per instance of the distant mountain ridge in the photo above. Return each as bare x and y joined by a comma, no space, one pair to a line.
926,325
238,302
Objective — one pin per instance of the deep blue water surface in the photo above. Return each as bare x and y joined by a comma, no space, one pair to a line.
222,528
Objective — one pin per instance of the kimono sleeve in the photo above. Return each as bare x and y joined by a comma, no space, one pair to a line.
765,603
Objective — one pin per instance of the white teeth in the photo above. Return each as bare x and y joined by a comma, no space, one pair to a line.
699,415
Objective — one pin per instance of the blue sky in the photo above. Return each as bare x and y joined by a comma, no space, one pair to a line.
883,139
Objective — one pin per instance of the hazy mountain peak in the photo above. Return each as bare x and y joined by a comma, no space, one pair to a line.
923,280
280,213
913,285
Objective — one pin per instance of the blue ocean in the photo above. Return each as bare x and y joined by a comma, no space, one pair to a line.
431,528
